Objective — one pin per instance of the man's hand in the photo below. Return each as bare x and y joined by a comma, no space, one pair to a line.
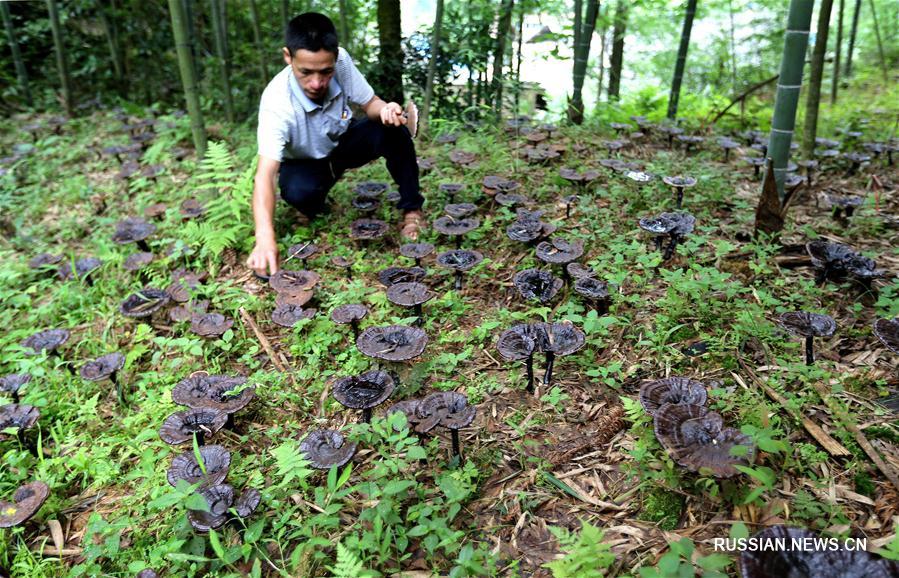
264,256
392,115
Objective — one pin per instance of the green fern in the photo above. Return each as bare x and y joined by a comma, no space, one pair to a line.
348,565
587,555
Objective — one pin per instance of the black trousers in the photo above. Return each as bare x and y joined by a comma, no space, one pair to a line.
305,183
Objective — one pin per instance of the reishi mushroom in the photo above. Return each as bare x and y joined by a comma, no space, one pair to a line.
364,391
808,325
27,500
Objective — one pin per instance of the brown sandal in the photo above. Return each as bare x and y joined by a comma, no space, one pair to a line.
413,222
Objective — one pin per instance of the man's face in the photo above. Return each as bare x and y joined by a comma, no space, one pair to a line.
313,70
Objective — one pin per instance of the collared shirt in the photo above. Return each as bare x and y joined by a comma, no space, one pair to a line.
292,126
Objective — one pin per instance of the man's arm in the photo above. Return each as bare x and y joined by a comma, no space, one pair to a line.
265,253
389,113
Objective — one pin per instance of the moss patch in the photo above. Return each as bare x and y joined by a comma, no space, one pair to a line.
662,507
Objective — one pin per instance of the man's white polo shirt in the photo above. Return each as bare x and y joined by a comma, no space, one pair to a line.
291,126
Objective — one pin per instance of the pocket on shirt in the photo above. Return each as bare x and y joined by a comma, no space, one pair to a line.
338,126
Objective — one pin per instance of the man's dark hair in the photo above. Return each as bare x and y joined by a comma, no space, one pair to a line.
311,31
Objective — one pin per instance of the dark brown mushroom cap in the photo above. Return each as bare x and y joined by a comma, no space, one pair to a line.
449,226
828,143
560,251
592,288
366,204
180,426
393,275
507,186
102,367
727,143
186,311
13,382
182,283
755,161
145,302
843,201
219,498
27,500
147,573
151,171
540,154
863,267
287,281
342,262
696,439
857,157
447,409
370,189
128,170
525,231
368,229
349,313
461,157
216,460
298,298
459,259
510,199
155,210
808,163
416,250
325,448
409,294
809,563
136,261
619,126
516,343
561,338
690,139
574,176
669,224
679,181
43,260
213,392
408,408
426,164
247,502
886,331
827,153
83,268
792,181
579,271
17,415
364,391
302,251
392,342
48,340
537,284
491,181
132,229
448,138
828,255
450,188
613,145
191,209
288,315
808,324
536,136
675,390
460,210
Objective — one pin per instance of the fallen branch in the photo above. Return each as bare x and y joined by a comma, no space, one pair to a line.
860,438
743,95
266,345
832,446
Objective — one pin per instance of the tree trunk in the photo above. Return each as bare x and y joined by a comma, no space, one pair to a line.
192,35
260,48
681,59
115,54
188,78
499,54
581,56
786,99
813,96
390,36
836,56
733,46
21,71
602,60
425,117
521,9
61,61
619,29
345,35
286,15
852,31
883,60
219,30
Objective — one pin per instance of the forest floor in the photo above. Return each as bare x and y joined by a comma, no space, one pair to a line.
538,469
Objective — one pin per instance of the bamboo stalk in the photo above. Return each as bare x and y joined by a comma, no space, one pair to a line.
813,95
62,63
188,77
681,59
21,72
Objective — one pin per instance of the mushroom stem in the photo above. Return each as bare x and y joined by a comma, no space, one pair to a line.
418,314
658,243
680,196
458,284
529,365
229,423
458,241
366,415
418,261
726,155
15,397
567,210
550,360
809,351
756,169
120,392
355,325
456,450
602,307
200,438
